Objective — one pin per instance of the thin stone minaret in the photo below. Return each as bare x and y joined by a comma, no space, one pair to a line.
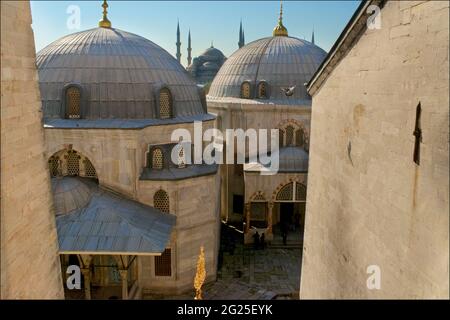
241,42
178,43
189,49
312,38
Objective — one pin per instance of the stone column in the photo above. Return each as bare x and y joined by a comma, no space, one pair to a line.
269,218
124,277
87,282
247,217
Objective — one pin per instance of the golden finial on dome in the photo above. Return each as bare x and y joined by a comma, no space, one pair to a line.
280,30
105,23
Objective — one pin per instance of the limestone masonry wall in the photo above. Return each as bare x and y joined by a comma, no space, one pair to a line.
368,202
29,260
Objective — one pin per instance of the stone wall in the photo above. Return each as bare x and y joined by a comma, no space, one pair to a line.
368,202
30,266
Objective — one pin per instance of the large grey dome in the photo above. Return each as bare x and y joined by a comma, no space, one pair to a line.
119,74
280,61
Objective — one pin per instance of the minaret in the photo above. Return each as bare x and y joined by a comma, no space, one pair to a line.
105,23
280,30
241,36
178,43
312,38
189,49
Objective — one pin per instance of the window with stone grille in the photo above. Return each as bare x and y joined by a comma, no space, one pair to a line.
299,138
161,201
245,90
281,137
262,90
165,104
89,170
286,193
300,192
181,159
157,159
163,264
73,163
73,102
53,164
259,197
289,135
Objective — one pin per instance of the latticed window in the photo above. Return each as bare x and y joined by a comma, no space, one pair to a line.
281,137
73,163
262,90
163,264
53,164
299,140
245,90
73,101
161,201
181,159
286,193
165,104
300,192
89,170
157,159
259,197
289,135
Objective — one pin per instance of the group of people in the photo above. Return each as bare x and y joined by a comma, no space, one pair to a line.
259,241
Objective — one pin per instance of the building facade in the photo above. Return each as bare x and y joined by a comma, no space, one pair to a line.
378,193
261,87
131,215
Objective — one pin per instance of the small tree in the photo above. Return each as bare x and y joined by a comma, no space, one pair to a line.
200,275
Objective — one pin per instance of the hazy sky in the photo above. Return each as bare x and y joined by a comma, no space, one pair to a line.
216,21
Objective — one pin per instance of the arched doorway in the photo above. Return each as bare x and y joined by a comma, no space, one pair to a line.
289,213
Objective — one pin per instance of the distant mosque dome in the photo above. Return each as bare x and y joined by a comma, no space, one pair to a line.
115,75
205,66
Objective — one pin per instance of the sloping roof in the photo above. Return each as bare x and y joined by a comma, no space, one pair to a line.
119,74
291,160
111,224
349,36
282,62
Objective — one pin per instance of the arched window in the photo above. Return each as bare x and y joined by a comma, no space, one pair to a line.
286,193
289,135
73,103
157,159
73,163
299,139
53,164
281,137
262,90
161,201
165,104
300,192
89,170
181,159
245,90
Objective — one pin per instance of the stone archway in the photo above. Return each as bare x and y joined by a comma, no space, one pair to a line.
69,162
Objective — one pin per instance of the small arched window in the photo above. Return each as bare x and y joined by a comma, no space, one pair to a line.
157,159
281,137
161,201
165,104
73,163
181,159
245,90
289,135
53,164
262,90
299,139
73,103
